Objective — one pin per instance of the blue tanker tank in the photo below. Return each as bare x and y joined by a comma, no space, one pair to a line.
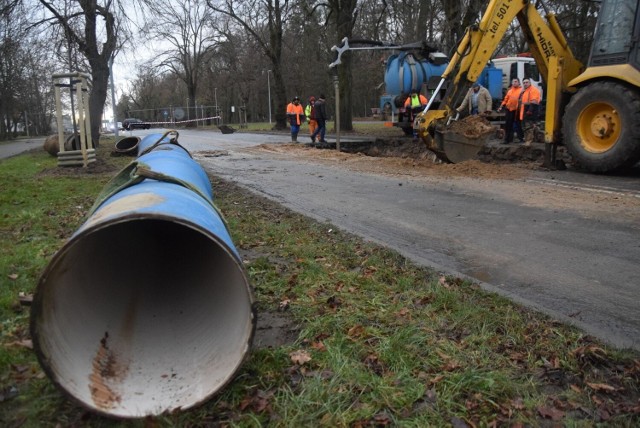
405,72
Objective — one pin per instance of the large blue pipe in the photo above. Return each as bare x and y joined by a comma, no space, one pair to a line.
147,308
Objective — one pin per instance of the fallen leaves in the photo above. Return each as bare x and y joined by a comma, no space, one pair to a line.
590,354
550,413
443,282
601,387
258,401
300,357
284,305
318,346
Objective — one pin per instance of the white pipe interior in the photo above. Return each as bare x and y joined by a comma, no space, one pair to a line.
143,317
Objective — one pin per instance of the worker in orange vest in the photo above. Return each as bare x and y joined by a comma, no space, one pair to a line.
295,113
529,104
512,115
414,104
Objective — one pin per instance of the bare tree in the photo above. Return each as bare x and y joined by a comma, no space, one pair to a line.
94,27
577,20
263,21
456,22
22,64
151,95
186,26
412,20
11,70
342,15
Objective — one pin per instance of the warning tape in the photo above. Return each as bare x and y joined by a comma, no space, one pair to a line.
181,121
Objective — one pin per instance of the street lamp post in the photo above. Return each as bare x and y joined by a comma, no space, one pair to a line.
215,94
269,91
113,99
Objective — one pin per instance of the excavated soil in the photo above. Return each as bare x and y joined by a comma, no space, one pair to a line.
472,127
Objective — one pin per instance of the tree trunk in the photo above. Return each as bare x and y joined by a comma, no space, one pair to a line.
98,96
344,22
280,100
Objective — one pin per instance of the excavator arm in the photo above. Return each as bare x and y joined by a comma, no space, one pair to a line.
548,47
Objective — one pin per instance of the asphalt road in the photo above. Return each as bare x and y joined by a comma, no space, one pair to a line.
580,270
20,146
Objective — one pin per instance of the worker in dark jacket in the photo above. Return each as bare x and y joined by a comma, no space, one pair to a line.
310,113
321,117
512,116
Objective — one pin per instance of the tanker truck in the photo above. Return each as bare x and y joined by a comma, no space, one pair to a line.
407,71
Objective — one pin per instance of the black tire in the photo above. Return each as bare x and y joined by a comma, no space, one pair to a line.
601,127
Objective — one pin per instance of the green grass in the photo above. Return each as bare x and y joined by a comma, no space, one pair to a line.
391,343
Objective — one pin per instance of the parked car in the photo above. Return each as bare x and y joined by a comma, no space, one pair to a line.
132,123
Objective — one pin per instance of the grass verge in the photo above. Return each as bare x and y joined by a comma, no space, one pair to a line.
381,342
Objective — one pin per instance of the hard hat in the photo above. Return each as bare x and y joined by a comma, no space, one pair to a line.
296,98
312,98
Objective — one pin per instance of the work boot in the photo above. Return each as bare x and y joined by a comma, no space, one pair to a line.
294,138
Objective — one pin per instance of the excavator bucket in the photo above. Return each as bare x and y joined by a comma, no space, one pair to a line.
454,147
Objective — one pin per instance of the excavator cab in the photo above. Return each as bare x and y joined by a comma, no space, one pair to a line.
600,123
617,33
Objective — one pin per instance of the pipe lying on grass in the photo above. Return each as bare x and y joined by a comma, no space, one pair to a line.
147,308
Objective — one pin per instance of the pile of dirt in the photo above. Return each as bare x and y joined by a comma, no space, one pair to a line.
471,127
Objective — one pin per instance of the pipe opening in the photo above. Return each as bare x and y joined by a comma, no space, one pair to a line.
142,317
128,145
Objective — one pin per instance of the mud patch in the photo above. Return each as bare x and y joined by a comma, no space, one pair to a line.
213,153
274,329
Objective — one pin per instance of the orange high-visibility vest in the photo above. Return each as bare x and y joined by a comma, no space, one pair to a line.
531,95
511,98
415,101
296,110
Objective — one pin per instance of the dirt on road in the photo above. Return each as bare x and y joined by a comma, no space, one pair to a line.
517,181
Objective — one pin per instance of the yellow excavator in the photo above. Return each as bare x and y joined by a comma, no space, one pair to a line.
593,111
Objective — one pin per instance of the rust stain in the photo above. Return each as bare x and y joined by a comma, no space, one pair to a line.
107,370
126,204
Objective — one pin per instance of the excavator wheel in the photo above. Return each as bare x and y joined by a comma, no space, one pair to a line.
601,127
